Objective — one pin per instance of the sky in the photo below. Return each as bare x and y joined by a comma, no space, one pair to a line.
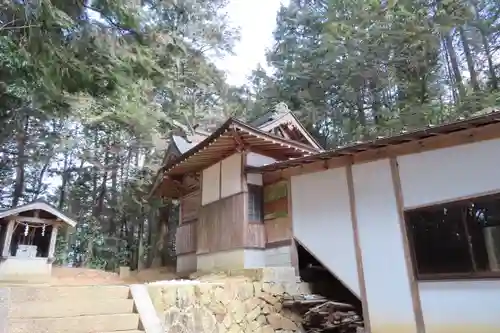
257,21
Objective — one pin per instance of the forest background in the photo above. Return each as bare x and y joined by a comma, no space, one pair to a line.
87,106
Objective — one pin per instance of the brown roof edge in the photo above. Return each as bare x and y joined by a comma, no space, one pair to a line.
200,145
223,128
274,137
307,132
352,149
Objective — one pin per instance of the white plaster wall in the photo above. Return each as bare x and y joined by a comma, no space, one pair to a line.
210,186
387,286
231,172
255,179
254,159
460,306
445,175
279,256
450,173
322,222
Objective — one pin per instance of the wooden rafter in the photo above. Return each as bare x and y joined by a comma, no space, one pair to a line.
240,144
30,219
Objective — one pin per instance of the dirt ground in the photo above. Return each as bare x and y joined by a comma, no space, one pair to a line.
85,276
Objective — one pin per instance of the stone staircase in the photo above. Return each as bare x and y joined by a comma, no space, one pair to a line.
72,309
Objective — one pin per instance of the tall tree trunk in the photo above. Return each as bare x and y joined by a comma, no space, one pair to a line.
114,195
454,65
469,59
21,137
64,180
486,46
491,66
39,181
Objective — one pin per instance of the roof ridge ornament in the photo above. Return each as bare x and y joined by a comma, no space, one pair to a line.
281,109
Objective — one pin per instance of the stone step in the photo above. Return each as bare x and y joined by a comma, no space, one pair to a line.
21,294
136,331
65,308
78,324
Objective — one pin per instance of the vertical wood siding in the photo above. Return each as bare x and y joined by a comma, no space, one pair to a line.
221,225
190,207
186,238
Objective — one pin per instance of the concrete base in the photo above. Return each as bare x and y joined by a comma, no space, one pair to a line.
232,259
279,256
24,268
245,258
186,263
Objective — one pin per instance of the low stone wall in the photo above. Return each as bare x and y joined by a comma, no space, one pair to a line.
233,304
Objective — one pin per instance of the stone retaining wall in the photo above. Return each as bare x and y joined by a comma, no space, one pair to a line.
233,304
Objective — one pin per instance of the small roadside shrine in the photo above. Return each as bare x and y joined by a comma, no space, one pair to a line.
28,236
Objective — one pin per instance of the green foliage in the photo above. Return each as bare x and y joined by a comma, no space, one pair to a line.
275,191
354,70
89,92
61,251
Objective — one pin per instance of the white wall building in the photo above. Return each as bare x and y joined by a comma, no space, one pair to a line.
410,224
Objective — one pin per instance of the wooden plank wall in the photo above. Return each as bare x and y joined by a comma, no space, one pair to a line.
221,225
185,241
255,236
277,220
190,207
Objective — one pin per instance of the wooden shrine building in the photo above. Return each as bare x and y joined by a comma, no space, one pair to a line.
28,235
228,219
409,224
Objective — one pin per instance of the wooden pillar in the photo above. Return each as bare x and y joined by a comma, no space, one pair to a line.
357,248
294,254
8,238
53,239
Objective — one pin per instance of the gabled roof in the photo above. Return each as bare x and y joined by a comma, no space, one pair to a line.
489,118
184,144
229,138
274,119
38,205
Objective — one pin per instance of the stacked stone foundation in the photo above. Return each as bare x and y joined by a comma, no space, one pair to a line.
243,301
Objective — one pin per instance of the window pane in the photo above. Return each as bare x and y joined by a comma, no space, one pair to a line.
255,203
483,223
439,240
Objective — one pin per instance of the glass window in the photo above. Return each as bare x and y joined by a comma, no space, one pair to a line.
456,238
255,203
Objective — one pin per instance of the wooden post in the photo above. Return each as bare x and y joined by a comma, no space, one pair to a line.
415,294
53,239
8,238
357,248
294,255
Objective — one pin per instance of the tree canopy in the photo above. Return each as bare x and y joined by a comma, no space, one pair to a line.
91,89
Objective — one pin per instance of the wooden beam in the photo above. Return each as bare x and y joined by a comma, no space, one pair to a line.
8,239
240,144
30,219
415,293
52,244
357,248
472,135
294,254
